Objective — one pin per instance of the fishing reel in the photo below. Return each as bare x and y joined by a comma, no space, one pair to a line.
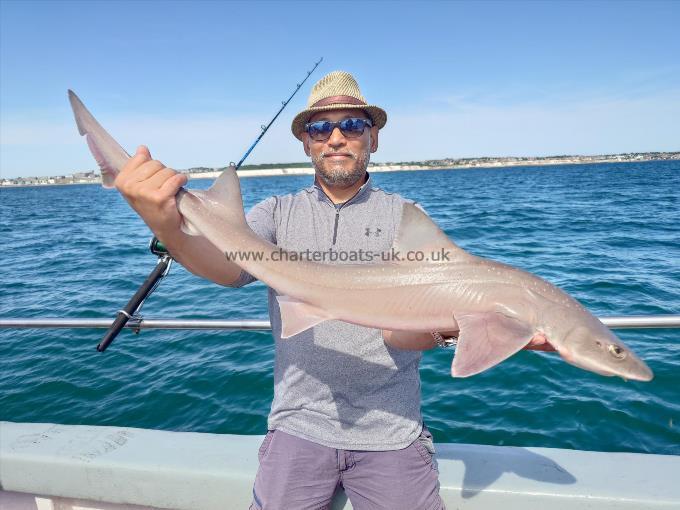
157,248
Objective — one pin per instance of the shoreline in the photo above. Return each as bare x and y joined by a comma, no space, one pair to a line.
275,172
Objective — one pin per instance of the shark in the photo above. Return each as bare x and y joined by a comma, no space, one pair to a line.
496,308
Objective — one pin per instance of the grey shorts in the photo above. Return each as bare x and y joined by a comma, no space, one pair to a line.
298,474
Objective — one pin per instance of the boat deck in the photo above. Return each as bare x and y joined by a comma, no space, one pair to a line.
73,467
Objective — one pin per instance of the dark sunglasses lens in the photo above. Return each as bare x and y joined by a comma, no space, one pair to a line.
352,128
320,130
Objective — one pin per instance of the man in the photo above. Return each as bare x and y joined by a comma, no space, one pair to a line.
346,408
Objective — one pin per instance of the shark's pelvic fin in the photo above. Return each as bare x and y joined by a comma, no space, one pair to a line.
297,316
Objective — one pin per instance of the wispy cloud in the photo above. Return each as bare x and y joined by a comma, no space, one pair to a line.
457,126
474,127
629,84
35,146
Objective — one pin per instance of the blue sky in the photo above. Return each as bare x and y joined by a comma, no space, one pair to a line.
195,80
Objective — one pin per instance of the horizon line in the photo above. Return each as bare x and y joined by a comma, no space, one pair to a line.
674,155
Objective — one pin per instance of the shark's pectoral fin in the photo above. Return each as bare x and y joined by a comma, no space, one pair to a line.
485,340
297,316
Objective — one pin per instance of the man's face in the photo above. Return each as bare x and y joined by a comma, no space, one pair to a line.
340,161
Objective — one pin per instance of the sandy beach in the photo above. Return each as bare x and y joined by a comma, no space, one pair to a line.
269,172
92,177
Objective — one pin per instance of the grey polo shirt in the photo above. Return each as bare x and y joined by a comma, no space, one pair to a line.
339,384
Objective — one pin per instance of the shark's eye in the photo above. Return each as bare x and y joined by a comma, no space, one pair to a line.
598,343
617,351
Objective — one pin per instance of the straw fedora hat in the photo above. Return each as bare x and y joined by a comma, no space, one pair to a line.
336,91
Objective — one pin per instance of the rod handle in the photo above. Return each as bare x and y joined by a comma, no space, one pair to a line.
118,324
142,292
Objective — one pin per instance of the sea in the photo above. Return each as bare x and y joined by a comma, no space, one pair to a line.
609,234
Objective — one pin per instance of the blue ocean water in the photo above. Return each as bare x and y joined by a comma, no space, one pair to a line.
608,234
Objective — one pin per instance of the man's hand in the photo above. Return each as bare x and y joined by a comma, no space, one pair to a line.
150,188
409,340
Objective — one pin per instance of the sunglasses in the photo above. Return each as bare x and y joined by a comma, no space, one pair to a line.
321,130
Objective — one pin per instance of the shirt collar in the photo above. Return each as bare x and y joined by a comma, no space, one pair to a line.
321,194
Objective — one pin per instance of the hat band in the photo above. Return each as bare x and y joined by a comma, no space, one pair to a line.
337,100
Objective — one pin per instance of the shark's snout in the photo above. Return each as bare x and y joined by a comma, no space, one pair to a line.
644,373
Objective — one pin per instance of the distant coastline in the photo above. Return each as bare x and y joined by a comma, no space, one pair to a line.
268,170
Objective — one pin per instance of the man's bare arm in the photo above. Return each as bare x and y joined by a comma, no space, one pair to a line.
150,188
412,341
201,258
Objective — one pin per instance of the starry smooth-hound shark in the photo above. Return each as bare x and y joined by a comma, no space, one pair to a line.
496,308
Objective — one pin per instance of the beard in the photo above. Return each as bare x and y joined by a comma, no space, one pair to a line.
335,174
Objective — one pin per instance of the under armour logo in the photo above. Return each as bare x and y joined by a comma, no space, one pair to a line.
375,233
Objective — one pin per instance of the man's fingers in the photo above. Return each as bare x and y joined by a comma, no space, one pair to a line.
539,342
147,171
127,173
143,150
543,347
171,186
141,156
158,179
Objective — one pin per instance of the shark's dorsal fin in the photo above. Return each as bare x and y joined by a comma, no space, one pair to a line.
222,200
224,197
227,190
418,233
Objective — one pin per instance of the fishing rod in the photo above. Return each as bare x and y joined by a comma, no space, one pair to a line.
283,105
131,310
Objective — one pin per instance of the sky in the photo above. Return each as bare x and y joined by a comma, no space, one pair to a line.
194,81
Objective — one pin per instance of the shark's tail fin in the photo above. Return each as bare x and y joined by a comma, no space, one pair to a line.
110,156
222,201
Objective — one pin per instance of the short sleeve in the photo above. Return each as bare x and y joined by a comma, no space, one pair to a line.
261,220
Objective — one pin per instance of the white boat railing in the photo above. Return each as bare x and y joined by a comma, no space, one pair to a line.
79,467
613,322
